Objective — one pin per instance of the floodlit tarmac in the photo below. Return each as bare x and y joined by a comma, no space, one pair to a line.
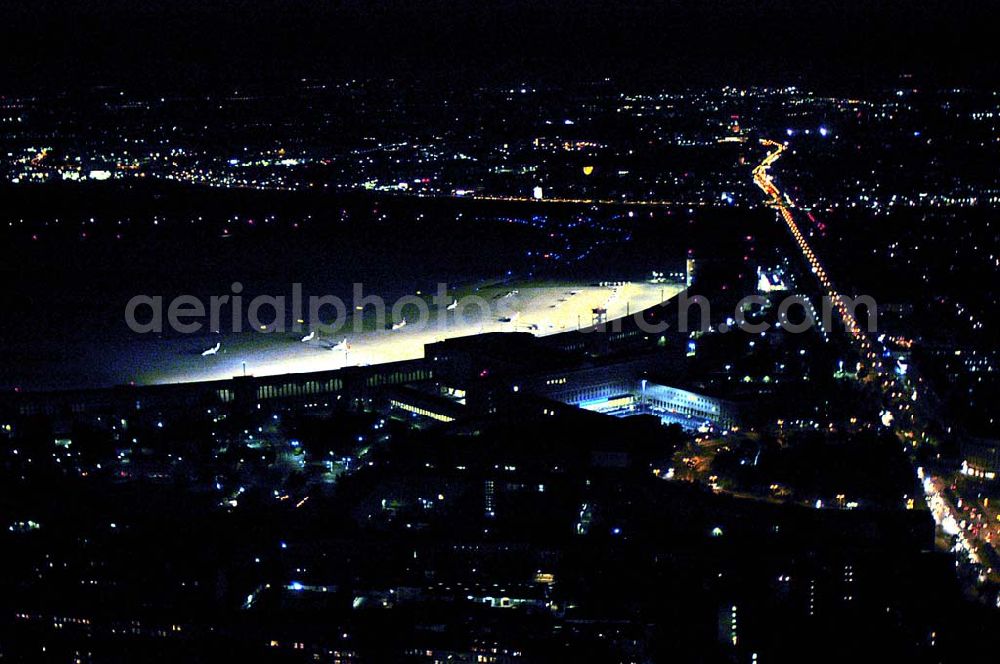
541,309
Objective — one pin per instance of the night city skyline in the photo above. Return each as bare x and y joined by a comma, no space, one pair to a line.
499,331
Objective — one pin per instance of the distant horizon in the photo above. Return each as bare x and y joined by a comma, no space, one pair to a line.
719,42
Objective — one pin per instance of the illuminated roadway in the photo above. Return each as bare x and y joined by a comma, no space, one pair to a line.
553,200
974,526
896,396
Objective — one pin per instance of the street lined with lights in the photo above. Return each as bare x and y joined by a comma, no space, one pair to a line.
871,356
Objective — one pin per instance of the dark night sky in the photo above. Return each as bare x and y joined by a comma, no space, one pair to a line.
51,41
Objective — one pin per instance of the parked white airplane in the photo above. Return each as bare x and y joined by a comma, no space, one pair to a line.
309,337
340,346
213,350
453,305
400,325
